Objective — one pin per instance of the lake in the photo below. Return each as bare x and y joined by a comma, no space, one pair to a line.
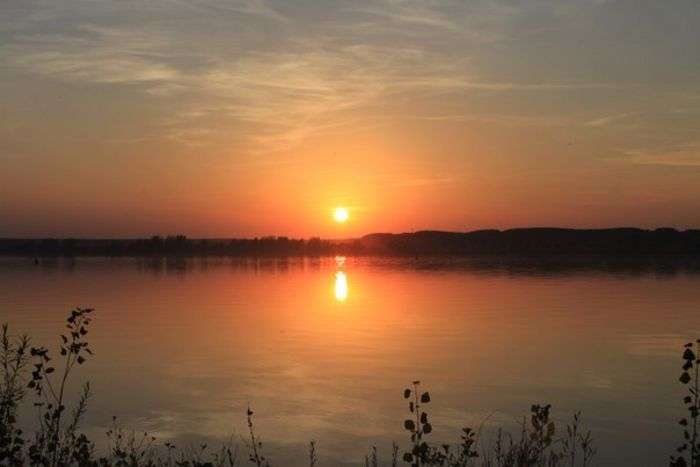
322,348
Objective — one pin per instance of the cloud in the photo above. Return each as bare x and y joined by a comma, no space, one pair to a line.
280,93
320,79
687,155
406,12
610,119
479,21
94,54
302,88
314,87
500,119
257,8
310,88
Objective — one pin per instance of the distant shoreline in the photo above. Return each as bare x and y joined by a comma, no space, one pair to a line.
527,242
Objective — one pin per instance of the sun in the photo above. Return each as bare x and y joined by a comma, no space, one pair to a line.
341,215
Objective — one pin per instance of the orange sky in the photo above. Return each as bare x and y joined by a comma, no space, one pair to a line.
256,117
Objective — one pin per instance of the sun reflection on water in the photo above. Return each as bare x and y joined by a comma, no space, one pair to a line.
341,280
341,286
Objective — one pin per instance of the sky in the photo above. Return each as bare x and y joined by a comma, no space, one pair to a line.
232,118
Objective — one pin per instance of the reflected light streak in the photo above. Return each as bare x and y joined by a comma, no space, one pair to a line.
341,286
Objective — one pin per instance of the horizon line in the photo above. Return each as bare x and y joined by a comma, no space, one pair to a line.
278,236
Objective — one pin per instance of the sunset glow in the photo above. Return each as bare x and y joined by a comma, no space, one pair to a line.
296,212
424,115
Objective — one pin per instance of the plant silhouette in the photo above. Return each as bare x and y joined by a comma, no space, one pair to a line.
690,378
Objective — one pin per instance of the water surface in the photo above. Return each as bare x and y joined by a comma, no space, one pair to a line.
322,348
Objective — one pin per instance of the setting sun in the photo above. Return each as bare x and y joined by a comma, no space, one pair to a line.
340,215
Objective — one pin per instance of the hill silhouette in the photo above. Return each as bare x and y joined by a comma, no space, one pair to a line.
518,242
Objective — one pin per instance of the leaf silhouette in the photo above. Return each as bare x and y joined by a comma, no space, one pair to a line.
685,378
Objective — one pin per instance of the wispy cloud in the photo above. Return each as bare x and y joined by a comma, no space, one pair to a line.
500,119
317,79
686,155
306,88
610,119
257,8
479,21
310,82
406,12
94,54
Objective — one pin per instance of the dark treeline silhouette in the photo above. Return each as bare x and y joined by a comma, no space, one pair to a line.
176,245
517,242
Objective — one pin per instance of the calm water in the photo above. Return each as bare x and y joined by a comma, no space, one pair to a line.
322,349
